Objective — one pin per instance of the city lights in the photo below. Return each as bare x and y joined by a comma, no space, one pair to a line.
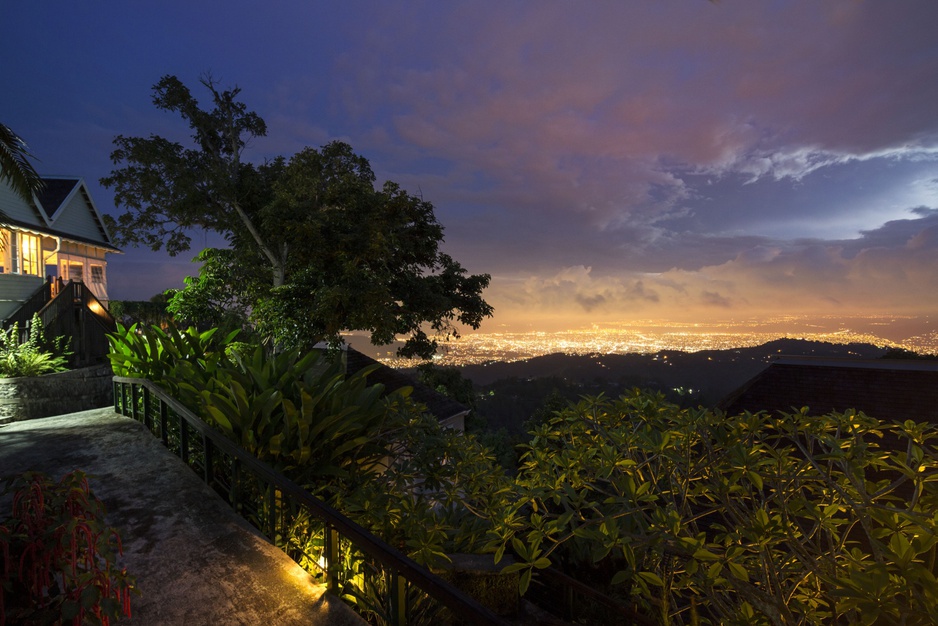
652,337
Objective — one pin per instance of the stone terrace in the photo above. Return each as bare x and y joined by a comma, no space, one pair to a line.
195,560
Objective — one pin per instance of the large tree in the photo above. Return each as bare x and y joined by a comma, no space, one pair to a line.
314,248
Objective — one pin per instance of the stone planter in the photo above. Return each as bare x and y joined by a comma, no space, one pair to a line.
55,394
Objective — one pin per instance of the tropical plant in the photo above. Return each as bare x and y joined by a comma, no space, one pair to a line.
15,167
698,517
33,356
59,557
151,352
303,415
300,413
438,495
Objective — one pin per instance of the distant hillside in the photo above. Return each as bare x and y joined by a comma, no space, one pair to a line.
510,392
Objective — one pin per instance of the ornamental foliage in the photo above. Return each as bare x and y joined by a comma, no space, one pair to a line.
33,355
698,517
59,558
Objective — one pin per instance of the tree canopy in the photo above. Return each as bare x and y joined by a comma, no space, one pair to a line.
314,247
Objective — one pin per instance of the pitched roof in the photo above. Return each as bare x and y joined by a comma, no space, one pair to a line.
43,230
885,389
54,193
441,406
49,206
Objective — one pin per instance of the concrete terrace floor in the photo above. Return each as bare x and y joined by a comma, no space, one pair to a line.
195,560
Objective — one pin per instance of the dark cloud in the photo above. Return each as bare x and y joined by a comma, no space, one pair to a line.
589,302
713,299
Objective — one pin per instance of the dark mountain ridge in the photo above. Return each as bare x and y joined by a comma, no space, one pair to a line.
509,393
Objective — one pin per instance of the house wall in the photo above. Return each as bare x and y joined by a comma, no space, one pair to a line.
76,217
14,290
73,254
15,208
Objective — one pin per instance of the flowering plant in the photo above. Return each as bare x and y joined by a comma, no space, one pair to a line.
58,555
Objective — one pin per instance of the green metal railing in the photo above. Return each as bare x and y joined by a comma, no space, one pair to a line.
384,584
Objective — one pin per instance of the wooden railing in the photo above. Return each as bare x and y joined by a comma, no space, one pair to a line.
74,313
35,303
347,558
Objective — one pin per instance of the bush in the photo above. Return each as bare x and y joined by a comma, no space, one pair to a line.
298,412
33,357
58,556
699,517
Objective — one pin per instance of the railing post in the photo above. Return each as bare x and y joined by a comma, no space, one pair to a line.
207,448
164,423
332,559
398,593
272,513
234,491
183,440
147,415
134,395
568,599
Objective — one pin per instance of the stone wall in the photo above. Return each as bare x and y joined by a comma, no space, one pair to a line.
55,394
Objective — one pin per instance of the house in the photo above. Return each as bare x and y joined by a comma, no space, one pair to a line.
53,262
887,389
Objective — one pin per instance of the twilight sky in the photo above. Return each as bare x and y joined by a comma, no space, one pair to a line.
604,160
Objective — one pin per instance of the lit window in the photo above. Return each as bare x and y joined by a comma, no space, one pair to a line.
29,255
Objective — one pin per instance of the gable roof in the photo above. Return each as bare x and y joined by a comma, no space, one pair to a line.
442,407
51,206
892,390
54,193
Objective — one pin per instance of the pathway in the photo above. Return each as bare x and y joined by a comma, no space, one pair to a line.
195,560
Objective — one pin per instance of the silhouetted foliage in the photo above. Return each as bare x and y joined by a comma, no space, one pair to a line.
148,312
15,168
902,353
314,249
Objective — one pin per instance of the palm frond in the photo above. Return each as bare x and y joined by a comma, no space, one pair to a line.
15,167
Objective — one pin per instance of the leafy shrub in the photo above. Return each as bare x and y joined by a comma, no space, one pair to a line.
33,357
299,413
58,556
699,517
153,353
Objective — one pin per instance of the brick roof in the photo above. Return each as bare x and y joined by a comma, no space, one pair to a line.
439,405
885,389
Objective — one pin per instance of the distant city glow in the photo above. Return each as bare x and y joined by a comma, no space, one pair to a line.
651,337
